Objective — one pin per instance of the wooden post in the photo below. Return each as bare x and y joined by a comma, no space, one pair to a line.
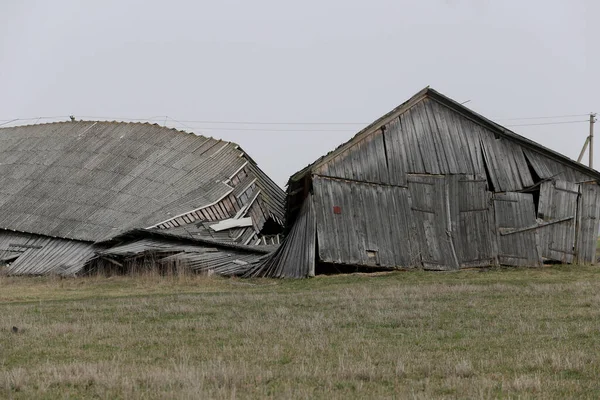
592,120
585,145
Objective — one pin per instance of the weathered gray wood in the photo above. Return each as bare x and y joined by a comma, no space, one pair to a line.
474,239
511,231
296,257
429,203
425,139
396,152
371,218
557,211
413,153
448,148
588,217
547,168
506,162
515,211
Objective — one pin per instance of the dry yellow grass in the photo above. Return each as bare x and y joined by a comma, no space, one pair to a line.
523,333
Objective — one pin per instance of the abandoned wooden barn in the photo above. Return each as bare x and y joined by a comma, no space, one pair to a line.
435,185
72,191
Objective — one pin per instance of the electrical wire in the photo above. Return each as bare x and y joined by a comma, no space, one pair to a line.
551,123
546,117
185,123
270,123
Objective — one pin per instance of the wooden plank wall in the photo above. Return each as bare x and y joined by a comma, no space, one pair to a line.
547,168
517,229
557,213
473,221
430,138
439,222
363,224
468,190
587,223
430,209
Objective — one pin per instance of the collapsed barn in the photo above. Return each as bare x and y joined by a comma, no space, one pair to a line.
84,194
435,185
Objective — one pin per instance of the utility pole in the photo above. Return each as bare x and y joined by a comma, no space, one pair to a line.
592,120
589,141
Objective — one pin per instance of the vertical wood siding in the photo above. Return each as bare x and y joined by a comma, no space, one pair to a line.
516,225
557,212
432,217
372,225
473,221
587,222
295,258
465,188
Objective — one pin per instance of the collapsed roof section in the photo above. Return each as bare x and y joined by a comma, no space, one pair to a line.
91,181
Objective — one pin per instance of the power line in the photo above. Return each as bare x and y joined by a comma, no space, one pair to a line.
123,118
551,123
31,119
337,130
266,129
8,121
272,123
221,122
546,117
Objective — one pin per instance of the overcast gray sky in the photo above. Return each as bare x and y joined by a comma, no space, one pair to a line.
306,61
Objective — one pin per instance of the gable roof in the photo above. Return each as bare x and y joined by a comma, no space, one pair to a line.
457,107
89,180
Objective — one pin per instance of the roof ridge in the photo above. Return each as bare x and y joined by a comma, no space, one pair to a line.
148,123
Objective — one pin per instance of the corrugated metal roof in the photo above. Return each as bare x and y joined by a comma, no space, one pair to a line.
40,255
93,180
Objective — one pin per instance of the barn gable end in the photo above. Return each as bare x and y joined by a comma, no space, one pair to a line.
434,185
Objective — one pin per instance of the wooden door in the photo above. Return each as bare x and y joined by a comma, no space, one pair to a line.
517,229
588,216
557,211
430,205
473,221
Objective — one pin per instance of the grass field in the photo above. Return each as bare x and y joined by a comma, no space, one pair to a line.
527,333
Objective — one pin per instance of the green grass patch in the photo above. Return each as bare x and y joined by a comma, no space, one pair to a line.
502,332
